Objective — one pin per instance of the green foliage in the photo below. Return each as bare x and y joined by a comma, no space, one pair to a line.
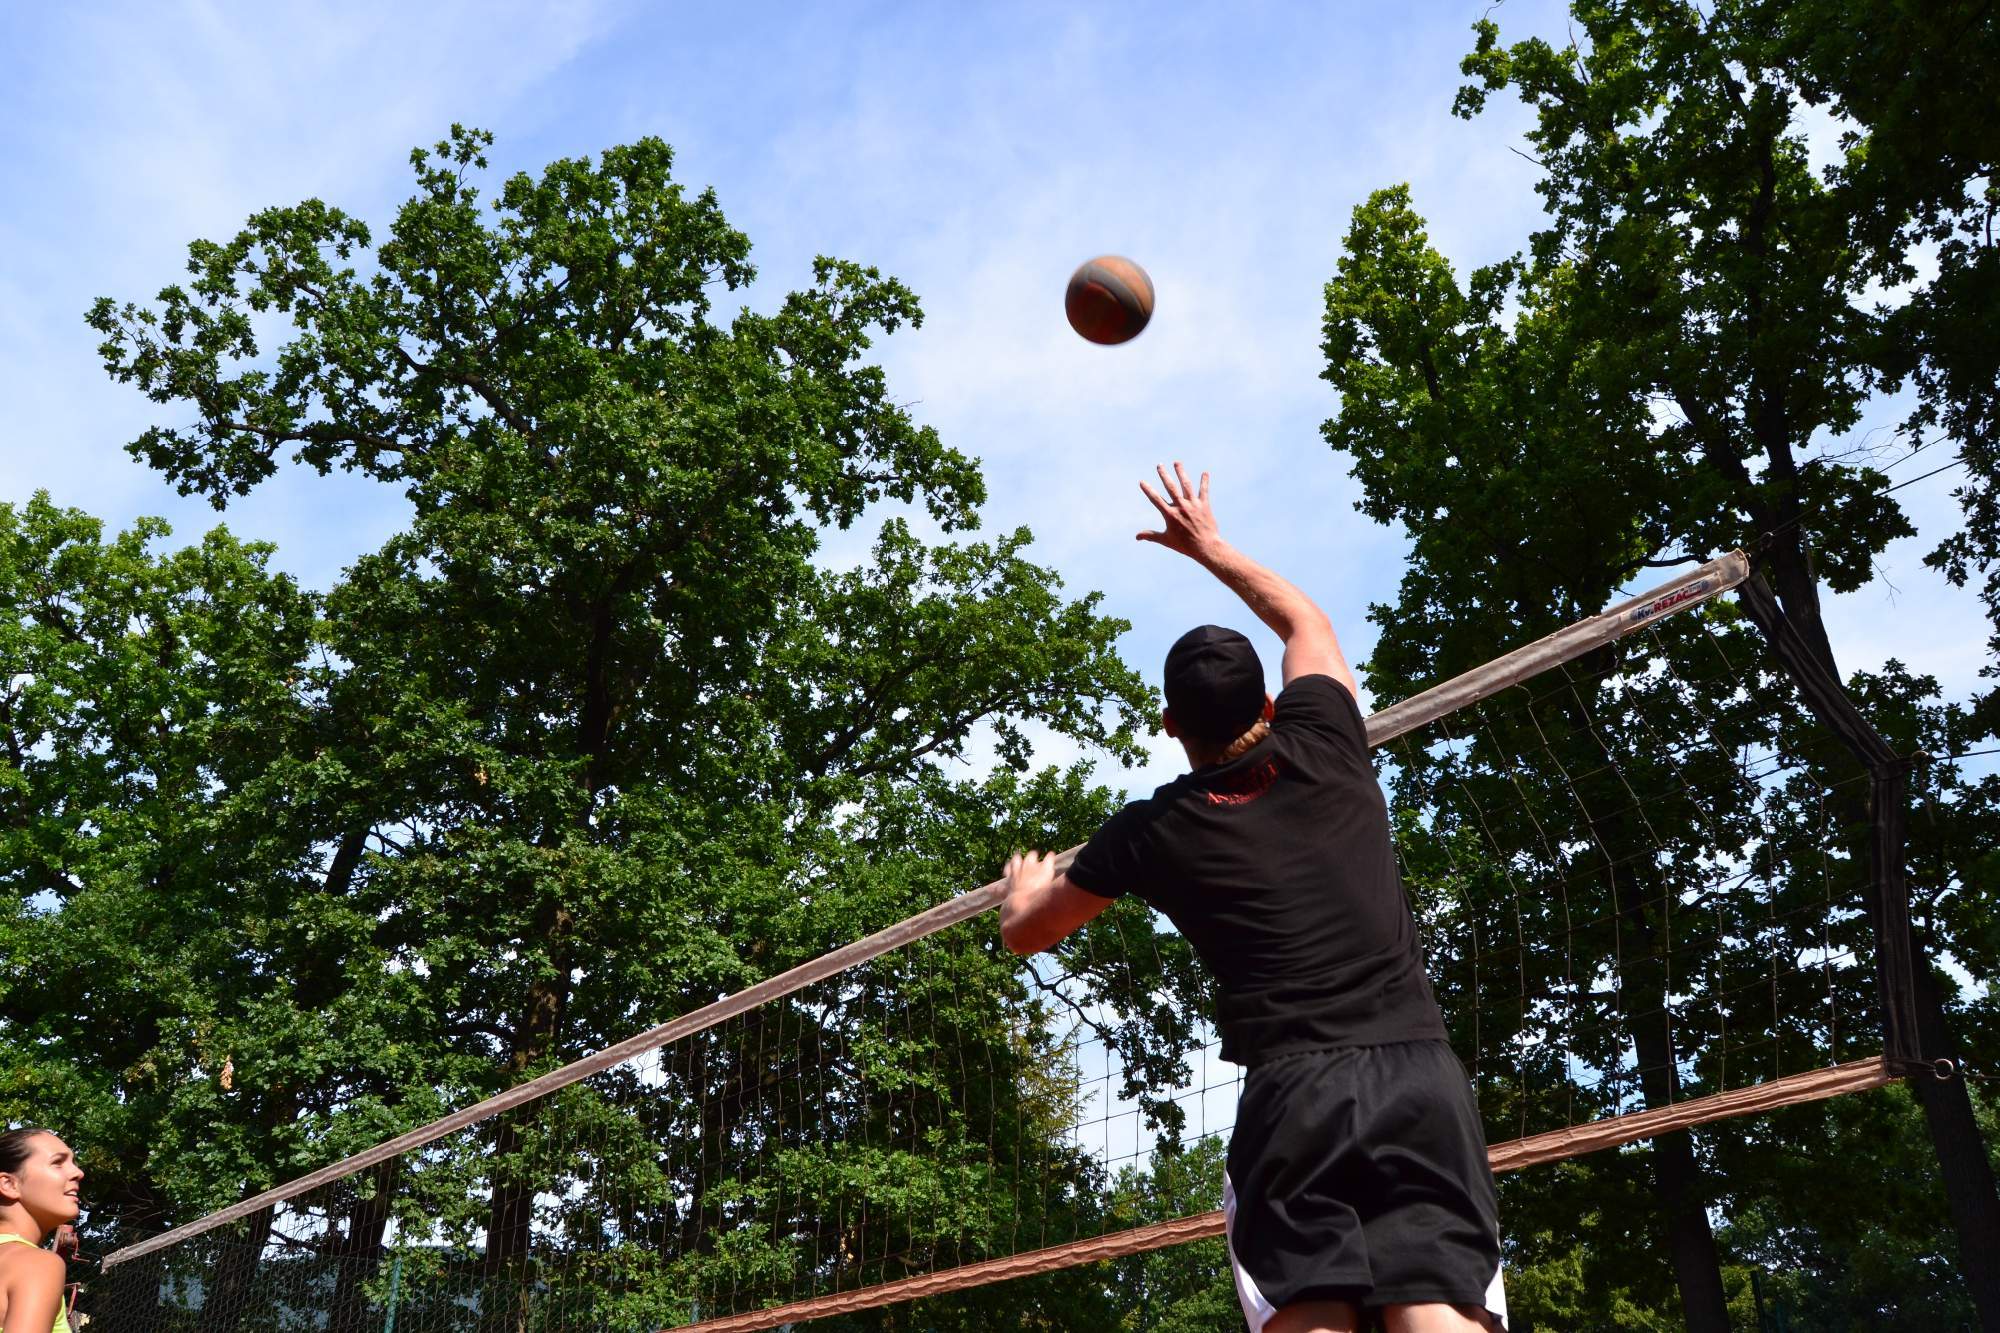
592,741
1185,1288
1829,1260
162,749
1571,1231
1670,369
1912,84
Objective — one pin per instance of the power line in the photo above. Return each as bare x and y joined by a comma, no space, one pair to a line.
1891,490
1914,452
1955,461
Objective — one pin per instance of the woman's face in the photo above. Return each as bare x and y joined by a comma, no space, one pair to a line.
47,1184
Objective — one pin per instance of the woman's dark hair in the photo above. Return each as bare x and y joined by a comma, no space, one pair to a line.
14,1146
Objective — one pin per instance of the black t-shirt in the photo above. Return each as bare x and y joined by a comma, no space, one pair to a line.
1277,867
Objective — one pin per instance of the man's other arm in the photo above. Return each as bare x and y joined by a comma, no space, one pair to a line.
1042,907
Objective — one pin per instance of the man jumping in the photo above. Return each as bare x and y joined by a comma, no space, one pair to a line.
1357,1180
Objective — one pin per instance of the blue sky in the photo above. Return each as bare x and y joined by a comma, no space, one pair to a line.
976,152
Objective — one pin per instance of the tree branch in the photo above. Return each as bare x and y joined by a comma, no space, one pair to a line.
312,436
1713,437
487,393
475,1027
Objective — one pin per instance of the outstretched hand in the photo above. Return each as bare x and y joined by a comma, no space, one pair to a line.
1190,522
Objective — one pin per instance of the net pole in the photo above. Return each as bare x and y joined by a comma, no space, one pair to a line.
1681,593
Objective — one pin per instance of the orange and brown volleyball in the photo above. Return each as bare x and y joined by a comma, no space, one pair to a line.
1110,298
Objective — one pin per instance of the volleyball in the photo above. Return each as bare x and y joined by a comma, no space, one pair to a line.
1110,299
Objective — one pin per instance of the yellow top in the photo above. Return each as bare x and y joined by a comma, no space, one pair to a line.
62,1316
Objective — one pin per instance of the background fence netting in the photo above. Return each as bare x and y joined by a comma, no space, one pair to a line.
1641,872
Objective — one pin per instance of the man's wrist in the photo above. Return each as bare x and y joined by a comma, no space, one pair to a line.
1214,555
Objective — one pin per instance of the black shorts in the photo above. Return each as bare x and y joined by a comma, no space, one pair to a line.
1360,1175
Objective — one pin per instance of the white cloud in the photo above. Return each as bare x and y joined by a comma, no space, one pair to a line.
977,154
145,127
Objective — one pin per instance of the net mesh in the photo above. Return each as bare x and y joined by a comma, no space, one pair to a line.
1633,878
1635,882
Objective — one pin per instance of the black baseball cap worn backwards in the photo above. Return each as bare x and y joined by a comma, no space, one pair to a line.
1214,684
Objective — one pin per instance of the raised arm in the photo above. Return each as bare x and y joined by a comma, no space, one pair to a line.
1310,645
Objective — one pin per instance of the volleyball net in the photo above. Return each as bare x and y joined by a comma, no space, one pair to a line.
1655,889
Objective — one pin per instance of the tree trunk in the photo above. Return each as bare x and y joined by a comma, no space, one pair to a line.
1690,1240
507,1274
1676,1174
228,1303
509,1230
1961,1153
1798,589
1647,1014
357,1254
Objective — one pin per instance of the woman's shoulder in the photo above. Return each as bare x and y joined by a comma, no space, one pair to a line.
31,1277
30,1261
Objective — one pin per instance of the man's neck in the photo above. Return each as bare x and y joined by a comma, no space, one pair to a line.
1236,749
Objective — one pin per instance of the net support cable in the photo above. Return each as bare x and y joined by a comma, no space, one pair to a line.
1681,593
1888,774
